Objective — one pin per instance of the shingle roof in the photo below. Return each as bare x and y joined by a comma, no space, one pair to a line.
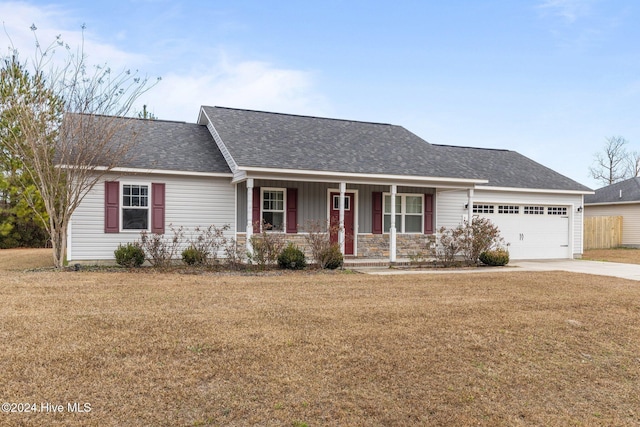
506,168
620,192
175,146
284,141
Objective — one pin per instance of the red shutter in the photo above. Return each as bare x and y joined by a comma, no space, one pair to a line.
157,208
428,214
111,207
292,210
256,220
376,226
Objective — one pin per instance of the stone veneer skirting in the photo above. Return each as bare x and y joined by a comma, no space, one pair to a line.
371,245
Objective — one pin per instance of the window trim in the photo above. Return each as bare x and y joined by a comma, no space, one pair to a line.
284,209
122,206
403,207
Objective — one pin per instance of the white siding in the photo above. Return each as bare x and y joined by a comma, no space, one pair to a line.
630,220
451,210
189,202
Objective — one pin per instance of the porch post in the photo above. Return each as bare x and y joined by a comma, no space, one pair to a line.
470,205
392,228
341,233
249,232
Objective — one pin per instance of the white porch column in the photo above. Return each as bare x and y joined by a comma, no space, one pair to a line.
392,228
249,232
470,205
341,232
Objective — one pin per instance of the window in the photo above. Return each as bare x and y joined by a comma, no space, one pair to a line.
273,209
508,209
347,203
534,210
409,213
485,209
557,210
135,207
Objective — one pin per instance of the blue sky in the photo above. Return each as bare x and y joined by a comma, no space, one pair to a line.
551,79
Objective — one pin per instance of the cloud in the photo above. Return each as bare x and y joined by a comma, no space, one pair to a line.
18,18
243,84
568,10
219,80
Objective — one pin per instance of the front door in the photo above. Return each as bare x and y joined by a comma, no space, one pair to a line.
334,219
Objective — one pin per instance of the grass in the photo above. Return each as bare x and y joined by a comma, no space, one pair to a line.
302,349
623,255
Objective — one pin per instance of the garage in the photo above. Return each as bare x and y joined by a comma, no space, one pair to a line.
532,231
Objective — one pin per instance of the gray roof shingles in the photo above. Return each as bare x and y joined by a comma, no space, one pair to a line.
284,141
174,146
620,192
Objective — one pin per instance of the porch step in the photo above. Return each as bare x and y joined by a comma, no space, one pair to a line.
368,262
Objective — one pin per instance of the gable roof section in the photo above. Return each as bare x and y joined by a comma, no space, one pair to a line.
171,146
257,139
506,168
282,141
627,191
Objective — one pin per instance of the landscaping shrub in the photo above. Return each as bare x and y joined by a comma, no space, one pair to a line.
266,247
159,250
194,256
129,255
496,257
207,242
235,254
292,258
478,236
332,257
466,241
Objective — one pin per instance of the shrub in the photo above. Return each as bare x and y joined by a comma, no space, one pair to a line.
318,240
266,247
467,240
235,254
479,236
194,256
496,257
332,257
447,245
159,250
207,242
292,258
129,255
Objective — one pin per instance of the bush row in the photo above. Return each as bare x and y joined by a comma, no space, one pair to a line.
204,244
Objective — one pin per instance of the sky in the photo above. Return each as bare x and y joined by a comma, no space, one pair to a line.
550,79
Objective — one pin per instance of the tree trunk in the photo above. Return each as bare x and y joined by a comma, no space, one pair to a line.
59,244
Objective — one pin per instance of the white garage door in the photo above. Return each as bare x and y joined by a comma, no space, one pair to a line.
532,231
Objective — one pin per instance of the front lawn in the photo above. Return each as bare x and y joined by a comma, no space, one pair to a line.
623,255
316,349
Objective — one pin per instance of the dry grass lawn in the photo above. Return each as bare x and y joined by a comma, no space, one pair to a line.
320,349
623,255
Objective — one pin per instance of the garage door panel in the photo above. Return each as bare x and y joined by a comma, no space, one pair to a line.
533,236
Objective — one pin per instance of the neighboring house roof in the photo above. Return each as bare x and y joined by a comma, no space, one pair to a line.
621,192
171,146
283,141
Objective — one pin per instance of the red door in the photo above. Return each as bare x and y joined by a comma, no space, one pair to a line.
334,219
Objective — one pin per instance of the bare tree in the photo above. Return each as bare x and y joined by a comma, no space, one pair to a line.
633,164
610,165
66,125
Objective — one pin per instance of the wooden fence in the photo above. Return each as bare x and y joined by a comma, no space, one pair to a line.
602,232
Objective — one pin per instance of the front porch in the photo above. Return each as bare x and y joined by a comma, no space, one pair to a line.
359,214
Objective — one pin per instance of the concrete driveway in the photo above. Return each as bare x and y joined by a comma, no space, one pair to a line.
613,269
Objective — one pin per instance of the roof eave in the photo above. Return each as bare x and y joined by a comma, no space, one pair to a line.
535,190
356,178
